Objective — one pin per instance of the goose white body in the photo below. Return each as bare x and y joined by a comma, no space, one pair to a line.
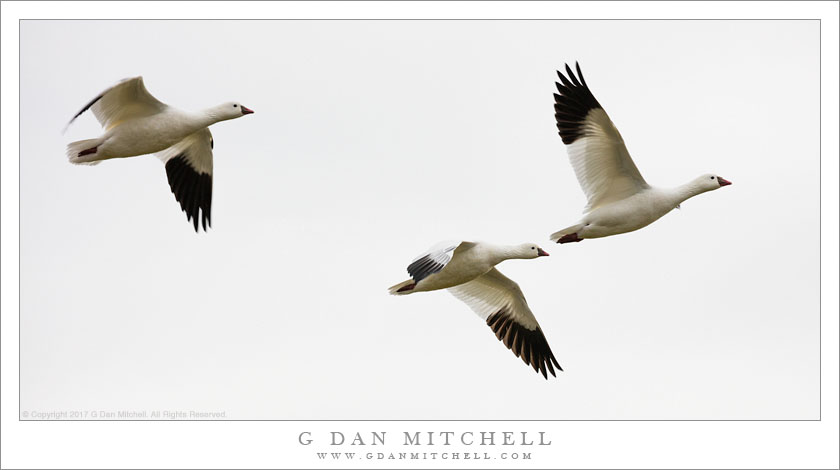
629,214
619,198
150,134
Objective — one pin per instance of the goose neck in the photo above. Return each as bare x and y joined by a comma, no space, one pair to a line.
208,117
502,253
686,191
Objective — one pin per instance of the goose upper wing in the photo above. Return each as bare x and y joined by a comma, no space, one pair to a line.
596,150
435,259
128,99
189,169
500,302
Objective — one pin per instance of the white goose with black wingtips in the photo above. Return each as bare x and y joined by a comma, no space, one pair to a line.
619,199
467,270
136,123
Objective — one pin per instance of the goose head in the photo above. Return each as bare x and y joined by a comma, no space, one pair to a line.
230,110
529,251
710,182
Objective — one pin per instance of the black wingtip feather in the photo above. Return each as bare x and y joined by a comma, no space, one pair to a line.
192,190
572,76
87,106
572,103
529,345
424,267
580,74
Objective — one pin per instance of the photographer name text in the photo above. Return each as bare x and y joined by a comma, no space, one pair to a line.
427,438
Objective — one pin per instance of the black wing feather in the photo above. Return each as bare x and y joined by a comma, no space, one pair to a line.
529,345
87,106
572,102
429,264
193,190
424,267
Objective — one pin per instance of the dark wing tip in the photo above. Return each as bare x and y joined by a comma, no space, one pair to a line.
86,107
192,190
556,364
580,74
572,75
425,266
572,103
529,345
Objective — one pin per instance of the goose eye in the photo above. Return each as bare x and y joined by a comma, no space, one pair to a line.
236,105
711,177
532,247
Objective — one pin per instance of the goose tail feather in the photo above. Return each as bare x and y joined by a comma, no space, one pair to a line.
402,288
83,152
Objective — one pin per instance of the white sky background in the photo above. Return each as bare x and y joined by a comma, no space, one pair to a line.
372,141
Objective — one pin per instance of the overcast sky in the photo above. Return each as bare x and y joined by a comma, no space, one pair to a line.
371,142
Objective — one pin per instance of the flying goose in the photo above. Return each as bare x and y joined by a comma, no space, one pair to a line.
619,199
136,123
467,270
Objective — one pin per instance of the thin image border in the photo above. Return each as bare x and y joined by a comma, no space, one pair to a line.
819,23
